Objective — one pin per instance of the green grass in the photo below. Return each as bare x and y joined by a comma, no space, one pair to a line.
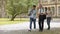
4,21
24,19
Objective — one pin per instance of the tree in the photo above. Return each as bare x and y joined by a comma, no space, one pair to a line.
17,7
14,8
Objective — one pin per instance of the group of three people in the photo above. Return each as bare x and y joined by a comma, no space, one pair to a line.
42,15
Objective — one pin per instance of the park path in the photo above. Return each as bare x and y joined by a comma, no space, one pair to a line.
22,28
25,25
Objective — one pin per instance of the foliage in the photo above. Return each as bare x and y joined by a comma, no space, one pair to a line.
17,7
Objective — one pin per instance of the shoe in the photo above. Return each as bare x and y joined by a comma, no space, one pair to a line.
48,29
29,30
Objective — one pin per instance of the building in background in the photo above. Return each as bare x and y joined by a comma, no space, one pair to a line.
54,6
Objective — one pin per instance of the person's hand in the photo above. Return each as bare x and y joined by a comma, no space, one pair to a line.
37,16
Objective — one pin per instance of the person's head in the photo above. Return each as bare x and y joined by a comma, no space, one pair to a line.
40,6
34,6
49,8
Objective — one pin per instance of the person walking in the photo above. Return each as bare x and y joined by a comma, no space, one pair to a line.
42,17
32,14
49,16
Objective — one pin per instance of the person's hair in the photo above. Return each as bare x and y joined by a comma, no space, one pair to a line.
40,5
34,5
49,8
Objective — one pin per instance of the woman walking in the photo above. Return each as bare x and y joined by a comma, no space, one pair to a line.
49,16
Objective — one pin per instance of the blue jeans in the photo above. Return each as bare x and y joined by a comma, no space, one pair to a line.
48,22
32,20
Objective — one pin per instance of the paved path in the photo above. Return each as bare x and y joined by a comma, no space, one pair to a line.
25,25
22,28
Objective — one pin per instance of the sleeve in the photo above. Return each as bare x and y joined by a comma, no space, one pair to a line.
38,13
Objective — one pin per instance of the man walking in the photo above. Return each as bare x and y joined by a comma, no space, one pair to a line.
41,16
32,14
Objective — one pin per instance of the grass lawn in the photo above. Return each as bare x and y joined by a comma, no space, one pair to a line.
4,21
24,19
17,20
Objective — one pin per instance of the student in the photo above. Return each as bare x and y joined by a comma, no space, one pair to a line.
32,14
42,17
49,16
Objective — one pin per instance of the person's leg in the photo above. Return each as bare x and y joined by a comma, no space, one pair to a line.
48,22
31,23
42,24
34,21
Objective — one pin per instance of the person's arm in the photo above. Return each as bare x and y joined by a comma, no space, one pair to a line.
38,13
51,15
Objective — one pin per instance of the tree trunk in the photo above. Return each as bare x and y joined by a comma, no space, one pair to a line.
13,17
